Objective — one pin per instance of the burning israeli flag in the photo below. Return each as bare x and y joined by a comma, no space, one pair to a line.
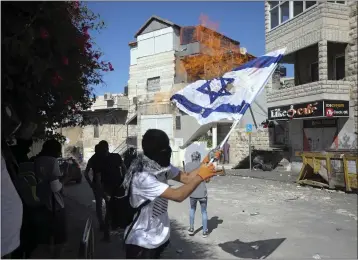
229,96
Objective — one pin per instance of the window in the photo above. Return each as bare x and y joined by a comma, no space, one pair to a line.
282,11
113,124
153,84
337,2
340,67
314,72
310,3
298,7
285,11
274,16
177,123
96,128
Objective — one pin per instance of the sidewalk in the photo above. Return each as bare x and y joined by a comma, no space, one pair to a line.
77,215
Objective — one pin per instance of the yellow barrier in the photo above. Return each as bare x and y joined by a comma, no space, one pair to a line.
317,169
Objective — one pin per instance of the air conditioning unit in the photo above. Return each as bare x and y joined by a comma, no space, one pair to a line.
107,96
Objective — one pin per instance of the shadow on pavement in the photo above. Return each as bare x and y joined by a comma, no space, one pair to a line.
253,250
213,223
182,245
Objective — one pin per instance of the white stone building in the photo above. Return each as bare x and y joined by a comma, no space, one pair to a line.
321,41
106,120
155,74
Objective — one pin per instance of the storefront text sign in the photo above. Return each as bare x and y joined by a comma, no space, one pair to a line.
315,109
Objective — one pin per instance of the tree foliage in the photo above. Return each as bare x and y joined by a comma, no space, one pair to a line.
50,63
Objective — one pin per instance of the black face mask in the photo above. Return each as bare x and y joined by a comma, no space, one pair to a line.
162,157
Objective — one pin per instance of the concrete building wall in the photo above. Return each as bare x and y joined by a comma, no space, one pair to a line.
322,22
160,65
348,135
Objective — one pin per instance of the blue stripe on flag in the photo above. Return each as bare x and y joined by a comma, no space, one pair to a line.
205,112
260,62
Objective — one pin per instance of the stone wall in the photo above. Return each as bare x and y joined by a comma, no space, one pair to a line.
352,60
323,22
114,133
239,143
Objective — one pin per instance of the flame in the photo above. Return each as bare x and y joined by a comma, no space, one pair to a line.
218,54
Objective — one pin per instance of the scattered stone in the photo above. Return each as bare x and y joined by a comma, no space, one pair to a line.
256,247
254,214
338,229
179,251
316,256
237,250
294,198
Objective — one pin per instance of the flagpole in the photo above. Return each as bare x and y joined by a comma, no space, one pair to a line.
221,146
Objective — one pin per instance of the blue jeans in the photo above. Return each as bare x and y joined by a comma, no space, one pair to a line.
203,205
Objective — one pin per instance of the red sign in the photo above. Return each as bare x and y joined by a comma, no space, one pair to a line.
329,112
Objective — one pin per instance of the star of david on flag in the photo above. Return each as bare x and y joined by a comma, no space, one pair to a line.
229,96
210,86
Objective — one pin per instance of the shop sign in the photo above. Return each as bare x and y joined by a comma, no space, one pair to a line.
334,108
315,109
303,110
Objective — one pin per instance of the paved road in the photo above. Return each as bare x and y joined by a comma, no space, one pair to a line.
254,218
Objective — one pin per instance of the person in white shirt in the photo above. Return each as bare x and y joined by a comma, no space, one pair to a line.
147,178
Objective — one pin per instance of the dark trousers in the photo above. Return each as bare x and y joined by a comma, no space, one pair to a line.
104,223
137,252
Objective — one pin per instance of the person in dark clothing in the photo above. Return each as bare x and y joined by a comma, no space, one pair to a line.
21,149
94,164
108,172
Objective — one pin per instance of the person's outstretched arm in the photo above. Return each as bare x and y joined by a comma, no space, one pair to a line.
179,194
185,177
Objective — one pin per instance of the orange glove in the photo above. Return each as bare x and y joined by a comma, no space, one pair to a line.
206,171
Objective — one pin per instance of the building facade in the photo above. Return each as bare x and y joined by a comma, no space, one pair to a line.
106,120
319,111
156,72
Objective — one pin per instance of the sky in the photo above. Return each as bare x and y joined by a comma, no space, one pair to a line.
241,21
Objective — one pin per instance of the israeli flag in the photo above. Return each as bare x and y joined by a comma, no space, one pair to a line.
229,96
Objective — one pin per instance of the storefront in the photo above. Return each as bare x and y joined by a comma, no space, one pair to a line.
312,126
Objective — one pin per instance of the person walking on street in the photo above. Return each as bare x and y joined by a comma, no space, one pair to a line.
200,195
109,175
50,192
146,184
94,164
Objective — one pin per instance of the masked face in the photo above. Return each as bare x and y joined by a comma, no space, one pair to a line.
160,156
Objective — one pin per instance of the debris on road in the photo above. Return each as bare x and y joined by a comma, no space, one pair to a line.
316,256
254,214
